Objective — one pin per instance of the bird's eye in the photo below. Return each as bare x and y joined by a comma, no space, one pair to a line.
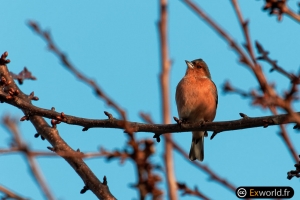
199,66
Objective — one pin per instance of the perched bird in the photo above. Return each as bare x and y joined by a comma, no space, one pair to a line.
197,100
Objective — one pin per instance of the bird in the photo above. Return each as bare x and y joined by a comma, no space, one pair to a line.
197,100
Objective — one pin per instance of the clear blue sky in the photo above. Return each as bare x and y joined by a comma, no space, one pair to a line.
116,44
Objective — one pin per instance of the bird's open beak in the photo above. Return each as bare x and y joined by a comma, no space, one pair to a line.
189,64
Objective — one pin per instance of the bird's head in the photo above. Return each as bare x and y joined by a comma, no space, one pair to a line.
198,68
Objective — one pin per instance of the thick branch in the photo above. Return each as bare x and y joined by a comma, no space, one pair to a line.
244,123
13,94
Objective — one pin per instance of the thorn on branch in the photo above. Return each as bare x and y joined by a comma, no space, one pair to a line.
267,123
51,149
79,152
178,121
205,134
3,60
214,134
26,117
297,126
110,116
85,128
32,97
261,50
54,123
84,189
24,74
244,116
157,136
104,180
61,117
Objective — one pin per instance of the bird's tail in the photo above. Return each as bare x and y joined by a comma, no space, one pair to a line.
197,146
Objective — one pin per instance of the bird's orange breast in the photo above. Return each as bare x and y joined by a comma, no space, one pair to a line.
196,99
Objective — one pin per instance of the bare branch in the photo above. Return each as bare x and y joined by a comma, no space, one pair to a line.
294,173
243,56
11,125
265,56
244,26
63,58
206,169
13,94
279,7
24,74
140,152
10,194
165,91
251,122
187,191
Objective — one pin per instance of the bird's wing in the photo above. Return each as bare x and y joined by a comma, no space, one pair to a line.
216,94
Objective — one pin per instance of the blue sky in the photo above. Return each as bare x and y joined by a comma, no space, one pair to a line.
116,44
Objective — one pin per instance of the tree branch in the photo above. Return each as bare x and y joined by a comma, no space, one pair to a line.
244,123
11,125
10,194
206,169
187,191
12,93
165,91
279,7
63,58
265,56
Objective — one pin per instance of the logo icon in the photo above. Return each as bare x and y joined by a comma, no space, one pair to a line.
241,192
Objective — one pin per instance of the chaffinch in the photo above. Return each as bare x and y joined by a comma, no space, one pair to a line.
197,100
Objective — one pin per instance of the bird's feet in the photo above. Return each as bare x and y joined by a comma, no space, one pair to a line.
180,121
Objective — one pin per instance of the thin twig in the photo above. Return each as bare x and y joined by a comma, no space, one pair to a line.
11,126
187,191
165,92
10,194
279,7
244,26
287,140
63,58
265,56
206,169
